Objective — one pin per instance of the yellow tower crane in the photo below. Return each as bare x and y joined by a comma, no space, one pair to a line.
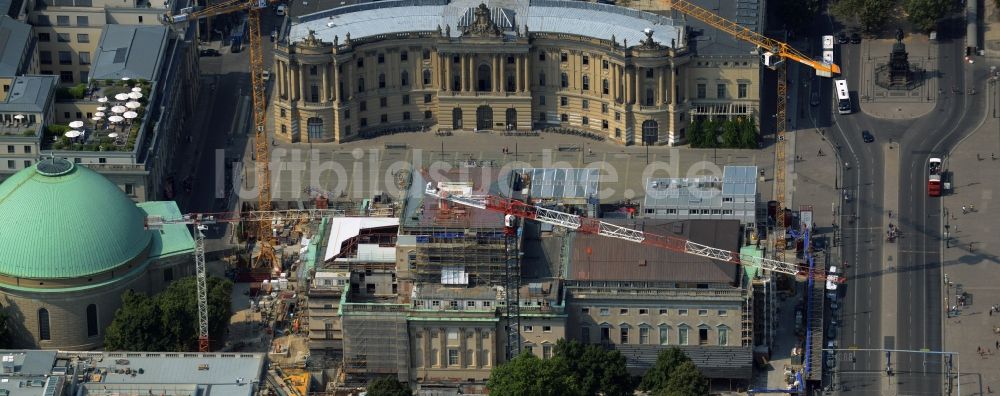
261,147
773,53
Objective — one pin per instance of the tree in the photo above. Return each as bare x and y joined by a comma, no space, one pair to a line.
527,375
595,369
658,376
168,321
5,334
387,386
748,133
731,130
925,13
685,380
871,14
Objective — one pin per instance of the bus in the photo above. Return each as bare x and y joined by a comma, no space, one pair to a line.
843,97
238,36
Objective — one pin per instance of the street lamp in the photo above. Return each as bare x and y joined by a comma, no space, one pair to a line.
947,236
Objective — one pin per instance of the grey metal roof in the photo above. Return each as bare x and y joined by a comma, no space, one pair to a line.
431,291
739,180
15,40
30,94
133,51
595,20
26,363
600,258
548,183
706,40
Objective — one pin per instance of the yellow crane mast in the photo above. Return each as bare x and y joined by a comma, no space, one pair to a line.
257,86
774,54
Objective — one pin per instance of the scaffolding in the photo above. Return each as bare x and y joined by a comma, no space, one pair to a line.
512,295
375,340
480,252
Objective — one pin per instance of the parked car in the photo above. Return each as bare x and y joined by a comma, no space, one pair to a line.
855,38
842,38
265,75
210,52
831,333
280,10
831,360
867,136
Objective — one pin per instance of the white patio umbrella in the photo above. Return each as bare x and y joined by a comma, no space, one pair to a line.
76,124
130,115
125,78
136,89
102,108
102,99
133,105
97,118
99,114
122,96
116,118
74,133
19,116
113,135
119,109
135,95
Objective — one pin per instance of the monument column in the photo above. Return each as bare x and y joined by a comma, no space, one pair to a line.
446,84
324,92
527,72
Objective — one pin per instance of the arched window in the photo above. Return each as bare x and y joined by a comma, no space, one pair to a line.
605,87
404,79
564,80
314,127
381,80
427,77
361,85
541,79
586,83
92,329
427,54
43,325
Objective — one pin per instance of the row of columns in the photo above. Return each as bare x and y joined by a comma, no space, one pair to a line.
463,348
468,78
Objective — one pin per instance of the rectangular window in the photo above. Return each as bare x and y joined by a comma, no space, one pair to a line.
546,351
62,20
65,58
604,312
363,105
527,328
361,62
584,310
66,77
682,336
381,58
453,357
129,189
643,311
43,20
663,311
624,336
604,108
406,99
10,164
623,311
563,57
701,91
427,98
62,37
27,163
586,121
741,91
82,20
83,38
84,58
682,312
720,91
27,149
702,312
664,335
585,103
404,56
428,115
44,37
586,60
383,102
547,329
470,303
541,56
643,335
364,122
723,336
406,117
604,64
585,335
604,124
563,101
723,312
384,118
618,116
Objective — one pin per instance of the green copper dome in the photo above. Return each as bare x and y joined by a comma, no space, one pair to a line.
59,220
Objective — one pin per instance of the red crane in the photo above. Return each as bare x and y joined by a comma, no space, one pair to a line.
513,207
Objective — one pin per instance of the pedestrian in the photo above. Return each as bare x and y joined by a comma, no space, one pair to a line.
965,210
890,214
998,345
819,153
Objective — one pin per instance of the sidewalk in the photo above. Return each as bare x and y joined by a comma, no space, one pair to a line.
974,270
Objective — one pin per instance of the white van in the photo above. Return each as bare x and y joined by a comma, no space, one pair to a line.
832,281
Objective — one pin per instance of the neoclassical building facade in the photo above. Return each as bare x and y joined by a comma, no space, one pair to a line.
353,72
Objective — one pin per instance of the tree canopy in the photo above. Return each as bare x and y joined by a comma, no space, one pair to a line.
575,369
168,321
387,386
736,133
674,374
925,13
5,333
871,14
